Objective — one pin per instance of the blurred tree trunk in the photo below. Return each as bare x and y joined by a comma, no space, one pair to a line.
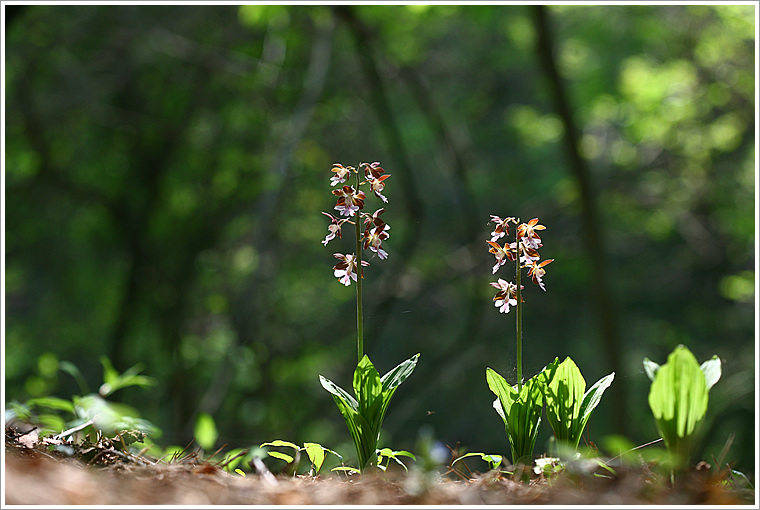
592,225
389,127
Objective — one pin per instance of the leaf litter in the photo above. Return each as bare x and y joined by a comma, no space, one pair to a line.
104,470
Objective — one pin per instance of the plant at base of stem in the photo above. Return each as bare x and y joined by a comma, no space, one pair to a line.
520,405
521,412
365,412
315,451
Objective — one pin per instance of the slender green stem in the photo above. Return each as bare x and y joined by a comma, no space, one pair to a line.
519,315
359,318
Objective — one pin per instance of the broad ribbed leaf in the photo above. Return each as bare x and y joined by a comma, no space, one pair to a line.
316,453
564,396
678,398
547,373
678,394
367,385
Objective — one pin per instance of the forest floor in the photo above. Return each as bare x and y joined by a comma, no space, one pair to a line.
39,471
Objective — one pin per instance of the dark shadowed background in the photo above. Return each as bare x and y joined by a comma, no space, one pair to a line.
166,167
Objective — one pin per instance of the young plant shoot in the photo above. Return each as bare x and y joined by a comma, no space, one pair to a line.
519,405
678,398
363,414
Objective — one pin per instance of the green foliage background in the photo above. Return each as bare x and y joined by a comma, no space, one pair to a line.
165,169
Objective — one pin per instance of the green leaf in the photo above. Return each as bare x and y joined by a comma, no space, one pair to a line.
73,371
521,412
316,453
505,394
113,381
52,403
523,419
590,400
493,460
346,468
110,375
678,399
564,395
357,425
547,373
280,442
364,414
679,392
339,392
205,431
651,368
499,409
367,385
390,454
568,408
278,455
395,377
233,458
712,370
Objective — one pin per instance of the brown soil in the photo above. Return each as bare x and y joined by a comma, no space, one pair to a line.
103,474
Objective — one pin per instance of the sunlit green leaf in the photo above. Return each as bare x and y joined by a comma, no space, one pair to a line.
205,431
493,460
346,468
278,455
678,398
398,375
280,442
316,453
52,403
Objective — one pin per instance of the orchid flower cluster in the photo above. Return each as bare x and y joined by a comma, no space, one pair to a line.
527,243
350,204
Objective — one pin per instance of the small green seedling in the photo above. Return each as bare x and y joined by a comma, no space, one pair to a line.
96,410
548,466
387,454
568,408
113,380
315,451
493,460
678,398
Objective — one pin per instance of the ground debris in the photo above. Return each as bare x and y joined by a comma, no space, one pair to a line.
92,473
